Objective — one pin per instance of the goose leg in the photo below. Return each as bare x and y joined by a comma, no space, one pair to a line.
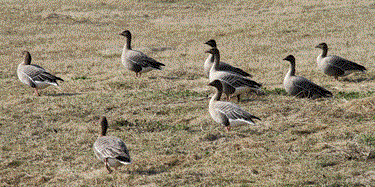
227,128
36,92
238,98
106,165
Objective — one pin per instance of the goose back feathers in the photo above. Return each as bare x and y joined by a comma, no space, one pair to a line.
222,65
109,149
227,113
300,86
135,60
35,76
233,84
334,65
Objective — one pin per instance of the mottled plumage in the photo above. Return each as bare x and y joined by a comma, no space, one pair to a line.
35,76
300,86
227,113
109,149
222,65
233,84
336,66
135,60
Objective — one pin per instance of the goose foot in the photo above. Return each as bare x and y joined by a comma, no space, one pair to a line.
106,165
36,92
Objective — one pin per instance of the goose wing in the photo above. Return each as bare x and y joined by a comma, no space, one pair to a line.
239,81
36,73
112,147
309,88
143,60
234,112
227,67
343,64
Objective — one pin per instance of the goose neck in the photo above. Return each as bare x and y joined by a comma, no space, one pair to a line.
292,68
217,95
324,52
216,60
128,42
27,60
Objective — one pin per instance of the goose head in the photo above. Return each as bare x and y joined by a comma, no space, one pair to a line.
217,84
290,58
322,46
211,43
126,33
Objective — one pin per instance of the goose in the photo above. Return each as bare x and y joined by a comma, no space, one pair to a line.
109,149
334,65
35,76
227,113
222,65
233,84
300,86
135,60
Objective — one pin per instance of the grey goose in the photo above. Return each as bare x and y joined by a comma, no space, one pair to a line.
334,65
35,76
300,86
222,65
110,150
233,84
135,60
227,113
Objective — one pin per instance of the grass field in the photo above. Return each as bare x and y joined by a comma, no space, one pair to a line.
163,116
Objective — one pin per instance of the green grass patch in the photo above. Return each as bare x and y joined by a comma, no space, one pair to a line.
276,91
354,95
367,138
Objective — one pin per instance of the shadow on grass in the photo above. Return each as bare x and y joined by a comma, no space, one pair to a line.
356,80
63,94
146,172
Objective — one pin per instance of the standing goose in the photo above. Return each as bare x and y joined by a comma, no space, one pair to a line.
334,65
222,65
300,86
109,149
135,60
227,113
34,75
233,84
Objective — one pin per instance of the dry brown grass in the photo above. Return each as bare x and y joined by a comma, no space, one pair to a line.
163,116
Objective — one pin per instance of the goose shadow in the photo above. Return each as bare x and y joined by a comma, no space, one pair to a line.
357,80
63,94
146,172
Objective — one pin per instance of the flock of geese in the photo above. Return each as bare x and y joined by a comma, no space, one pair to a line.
227,79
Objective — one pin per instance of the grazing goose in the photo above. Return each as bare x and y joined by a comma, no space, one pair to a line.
222,65
135,60
34,75
227,113
233,84
109,149
336,66
300,86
